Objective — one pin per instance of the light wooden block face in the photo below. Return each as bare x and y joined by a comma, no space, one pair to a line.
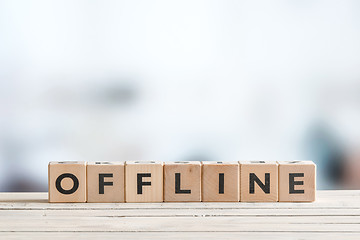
258,181
220,182
67,182
105,182
182,182
143,181
297,181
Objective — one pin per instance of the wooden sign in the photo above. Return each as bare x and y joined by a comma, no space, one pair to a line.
138,181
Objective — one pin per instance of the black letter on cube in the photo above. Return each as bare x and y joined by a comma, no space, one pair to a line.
221,183
102,183
265,187
292,183
67,175
140,183
177,185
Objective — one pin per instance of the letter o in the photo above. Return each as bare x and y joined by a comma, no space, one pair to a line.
67,175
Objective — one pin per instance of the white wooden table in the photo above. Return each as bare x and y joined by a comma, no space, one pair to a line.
335,214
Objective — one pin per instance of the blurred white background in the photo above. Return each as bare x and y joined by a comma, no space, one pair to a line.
179,80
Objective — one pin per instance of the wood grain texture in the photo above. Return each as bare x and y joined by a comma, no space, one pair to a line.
220,181
182,235
334,215
182,182
249,170
150,174
69,176
111,177
297,181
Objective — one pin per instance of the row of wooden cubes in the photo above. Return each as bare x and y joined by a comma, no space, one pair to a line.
132,181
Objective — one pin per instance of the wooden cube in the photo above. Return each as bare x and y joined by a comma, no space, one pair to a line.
297,181
67,182
105,182
220,182
258,181
182,182
144,181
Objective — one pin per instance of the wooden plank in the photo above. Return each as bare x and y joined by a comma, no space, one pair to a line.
240,219
181,212
171,224
335,214
325,199
178,235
